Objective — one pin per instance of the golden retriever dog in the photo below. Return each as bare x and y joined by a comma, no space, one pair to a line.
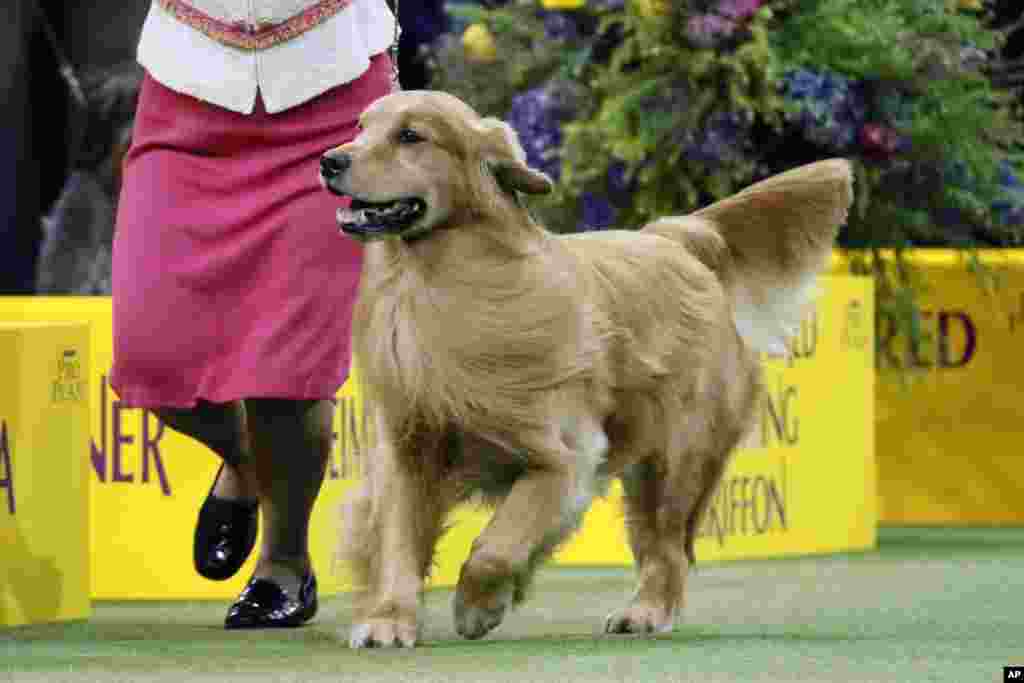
503,361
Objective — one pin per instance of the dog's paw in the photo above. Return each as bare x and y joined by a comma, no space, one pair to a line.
476,621
484,594
639,619
382,633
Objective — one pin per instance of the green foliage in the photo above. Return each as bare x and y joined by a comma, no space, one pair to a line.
524,59
650,100
886,39
688,112
910,51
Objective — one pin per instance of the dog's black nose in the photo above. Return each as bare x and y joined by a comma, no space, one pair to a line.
334,164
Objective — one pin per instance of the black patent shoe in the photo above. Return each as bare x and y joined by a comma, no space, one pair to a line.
264,604
225,534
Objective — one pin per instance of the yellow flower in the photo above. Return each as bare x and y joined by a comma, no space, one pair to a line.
563,4
478,44
652,8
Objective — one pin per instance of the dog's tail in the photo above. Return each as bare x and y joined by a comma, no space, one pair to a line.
768,243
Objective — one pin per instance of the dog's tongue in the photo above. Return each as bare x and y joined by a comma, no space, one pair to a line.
347,216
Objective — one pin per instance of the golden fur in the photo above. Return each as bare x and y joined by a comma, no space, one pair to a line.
500,359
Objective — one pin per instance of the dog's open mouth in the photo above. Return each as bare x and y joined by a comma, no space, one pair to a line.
375,220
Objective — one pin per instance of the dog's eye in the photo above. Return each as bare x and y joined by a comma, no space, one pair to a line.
407,136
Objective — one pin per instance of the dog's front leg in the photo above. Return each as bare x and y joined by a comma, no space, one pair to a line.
389,613
543,507
407,505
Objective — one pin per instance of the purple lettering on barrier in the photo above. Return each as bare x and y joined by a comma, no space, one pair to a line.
119,439
776,501
99,455
5,458
151,448
804,344
148,445
780,422
746,506
970,339
940,333
738,502
758,494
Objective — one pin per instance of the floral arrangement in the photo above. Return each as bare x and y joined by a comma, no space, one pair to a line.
642,108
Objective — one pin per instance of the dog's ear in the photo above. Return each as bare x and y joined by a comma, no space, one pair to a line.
506,160
522,178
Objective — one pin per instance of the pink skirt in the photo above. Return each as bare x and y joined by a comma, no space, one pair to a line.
230,277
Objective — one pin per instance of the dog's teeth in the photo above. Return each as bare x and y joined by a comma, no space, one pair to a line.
381,214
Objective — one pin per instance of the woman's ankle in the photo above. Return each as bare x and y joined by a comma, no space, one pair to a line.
288,573
233,485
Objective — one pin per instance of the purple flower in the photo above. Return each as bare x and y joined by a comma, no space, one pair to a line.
536,115
950,217
620,183
560,26
738,9
831,108
596,213
802,83
706,30
722,139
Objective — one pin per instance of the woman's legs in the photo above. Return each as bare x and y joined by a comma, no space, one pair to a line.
291,444
276,451
221,427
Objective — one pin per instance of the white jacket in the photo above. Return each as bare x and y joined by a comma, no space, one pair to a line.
335,51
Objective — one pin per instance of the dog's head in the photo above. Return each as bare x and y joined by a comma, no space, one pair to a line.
423,160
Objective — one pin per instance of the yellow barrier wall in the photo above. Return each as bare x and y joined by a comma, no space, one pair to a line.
44,523
804,491
950,432
147,482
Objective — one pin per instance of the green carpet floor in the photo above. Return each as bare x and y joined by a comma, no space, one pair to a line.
928,605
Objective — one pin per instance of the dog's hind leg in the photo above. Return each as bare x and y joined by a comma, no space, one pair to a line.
664,502
656,525
542,508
